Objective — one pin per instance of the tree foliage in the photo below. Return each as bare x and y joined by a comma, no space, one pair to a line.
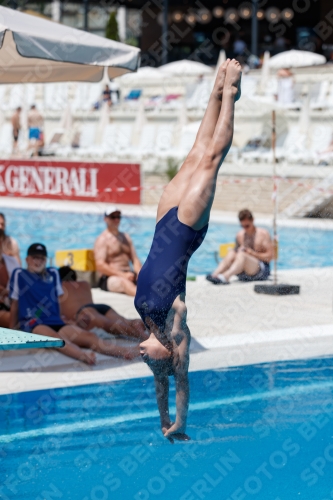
111,30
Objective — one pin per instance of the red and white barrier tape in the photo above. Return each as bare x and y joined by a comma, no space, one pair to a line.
276,180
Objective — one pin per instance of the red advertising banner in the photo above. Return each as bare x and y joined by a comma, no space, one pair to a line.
65,180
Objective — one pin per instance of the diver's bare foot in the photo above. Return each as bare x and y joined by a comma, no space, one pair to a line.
233,78
220,79
89,358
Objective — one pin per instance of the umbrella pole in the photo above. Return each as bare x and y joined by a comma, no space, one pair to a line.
275,196
165,32
276,289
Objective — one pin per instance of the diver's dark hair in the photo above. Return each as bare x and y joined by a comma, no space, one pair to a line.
66,273
162,366
3,216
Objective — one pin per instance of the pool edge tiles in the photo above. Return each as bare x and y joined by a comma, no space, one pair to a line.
238,350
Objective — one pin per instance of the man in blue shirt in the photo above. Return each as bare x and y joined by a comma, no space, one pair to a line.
35,293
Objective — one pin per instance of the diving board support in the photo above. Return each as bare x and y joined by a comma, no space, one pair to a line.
14,339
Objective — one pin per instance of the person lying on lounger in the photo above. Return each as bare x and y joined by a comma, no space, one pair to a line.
77,305
35,294
182,223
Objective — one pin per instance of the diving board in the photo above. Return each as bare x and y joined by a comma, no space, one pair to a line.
13,339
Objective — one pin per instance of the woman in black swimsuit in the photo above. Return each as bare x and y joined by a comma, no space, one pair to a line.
182,223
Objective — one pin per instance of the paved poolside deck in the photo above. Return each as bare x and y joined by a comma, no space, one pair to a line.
230,325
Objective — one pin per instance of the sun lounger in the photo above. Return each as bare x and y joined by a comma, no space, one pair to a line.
87,139
321,137
133,95
6,139
320,100
123,139
164,139
55,96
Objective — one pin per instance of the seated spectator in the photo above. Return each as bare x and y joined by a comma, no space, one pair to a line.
35,308
7,266
77,305
285,91
114,253
8,245
251,257
106,95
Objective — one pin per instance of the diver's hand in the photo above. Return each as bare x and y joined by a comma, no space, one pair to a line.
176,431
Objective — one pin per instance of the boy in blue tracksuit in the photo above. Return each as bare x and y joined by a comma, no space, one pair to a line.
35,293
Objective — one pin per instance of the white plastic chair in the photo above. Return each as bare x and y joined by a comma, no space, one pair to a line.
321,137
249,86
87,139
93,96
164,138
55,96
320,100
6,139
81,93
15,97
147,141
200,96
123,139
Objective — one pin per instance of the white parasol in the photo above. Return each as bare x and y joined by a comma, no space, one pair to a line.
37,50
186,67
295,59
146,74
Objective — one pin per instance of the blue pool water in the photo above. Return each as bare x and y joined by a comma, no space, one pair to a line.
258,432
298,247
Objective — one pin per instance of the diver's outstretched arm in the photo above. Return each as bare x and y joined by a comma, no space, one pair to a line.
162,397
181,362
177,430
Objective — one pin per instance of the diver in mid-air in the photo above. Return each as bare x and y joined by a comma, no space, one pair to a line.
182,223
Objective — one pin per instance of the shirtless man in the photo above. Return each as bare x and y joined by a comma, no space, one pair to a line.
16,123
7,266
77,305
251,257
35,125
8,245
114,251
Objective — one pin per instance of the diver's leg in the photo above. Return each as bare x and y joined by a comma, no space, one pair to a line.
176,188
195,205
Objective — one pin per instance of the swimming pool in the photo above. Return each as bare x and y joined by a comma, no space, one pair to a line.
261,431
298,247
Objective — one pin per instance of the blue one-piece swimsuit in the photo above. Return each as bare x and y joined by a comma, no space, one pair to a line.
163,275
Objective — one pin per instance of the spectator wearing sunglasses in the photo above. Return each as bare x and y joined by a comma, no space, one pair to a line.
250,258
115,257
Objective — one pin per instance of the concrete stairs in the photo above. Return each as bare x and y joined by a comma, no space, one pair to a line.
312,200
234,193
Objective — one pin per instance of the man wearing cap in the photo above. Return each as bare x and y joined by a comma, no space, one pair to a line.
114,253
